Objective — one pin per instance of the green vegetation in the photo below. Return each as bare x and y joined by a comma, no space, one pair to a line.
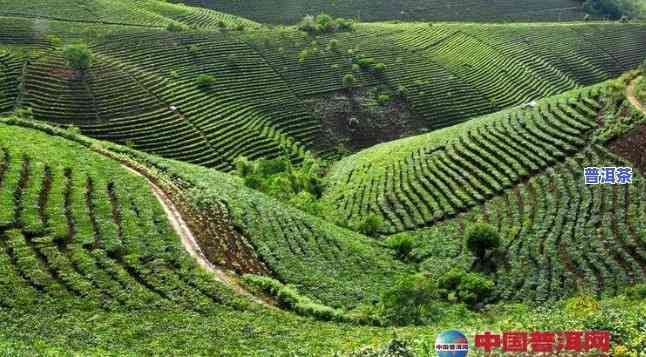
258,106
78,232
292,11
324,23
615,9
421,180
204,81
213,220
482,238
78,57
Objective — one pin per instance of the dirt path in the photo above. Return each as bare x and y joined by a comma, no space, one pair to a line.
630,94
190,243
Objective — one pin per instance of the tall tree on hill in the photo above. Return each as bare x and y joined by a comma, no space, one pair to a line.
78,57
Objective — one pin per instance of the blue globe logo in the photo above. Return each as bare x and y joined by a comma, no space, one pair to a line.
451,344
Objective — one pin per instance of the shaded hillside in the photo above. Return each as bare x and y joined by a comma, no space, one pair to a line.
291,11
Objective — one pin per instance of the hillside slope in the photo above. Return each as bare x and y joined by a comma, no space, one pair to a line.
146,13
141,89
522,170
291,11
77,229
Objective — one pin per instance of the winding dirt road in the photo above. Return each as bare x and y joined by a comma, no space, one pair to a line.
190,243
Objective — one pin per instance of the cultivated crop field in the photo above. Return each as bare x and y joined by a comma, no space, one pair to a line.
320,178
291,11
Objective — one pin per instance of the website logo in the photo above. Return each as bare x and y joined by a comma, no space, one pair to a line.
451,344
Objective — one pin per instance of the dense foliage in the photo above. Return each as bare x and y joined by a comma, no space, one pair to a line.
78,56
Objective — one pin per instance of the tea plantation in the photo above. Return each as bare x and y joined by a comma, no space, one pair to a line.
236,178
291,11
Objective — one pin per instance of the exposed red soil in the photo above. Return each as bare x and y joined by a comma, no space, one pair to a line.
632,147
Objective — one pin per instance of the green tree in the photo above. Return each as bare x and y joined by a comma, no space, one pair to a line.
78,56
481,238
465,287
605,8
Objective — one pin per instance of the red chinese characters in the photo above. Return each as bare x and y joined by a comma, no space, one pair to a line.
488,341
544,342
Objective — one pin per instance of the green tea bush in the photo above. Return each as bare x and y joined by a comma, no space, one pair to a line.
383,99
175,27
288,298
636,292
204,81
403,245
371,225
465,287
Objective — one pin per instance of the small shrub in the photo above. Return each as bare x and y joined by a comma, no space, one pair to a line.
383,99
55,40
244,167
582,306
344,25
366,62
333,45
325,23
308,24
176,27
403,245
402,92
78,56
221,24
379,68
409,301
481,238
465,287
303,55
25,113
636,292
290,299
240,27
371,225
349,81
204,81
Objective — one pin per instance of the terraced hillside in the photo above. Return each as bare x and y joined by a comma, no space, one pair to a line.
147,13
291,11
333,265
417,181
522,171
77,229
141,89
559,235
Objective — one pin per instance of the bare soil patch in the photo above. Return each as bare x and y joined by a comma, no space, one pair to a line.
358,121
632,147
